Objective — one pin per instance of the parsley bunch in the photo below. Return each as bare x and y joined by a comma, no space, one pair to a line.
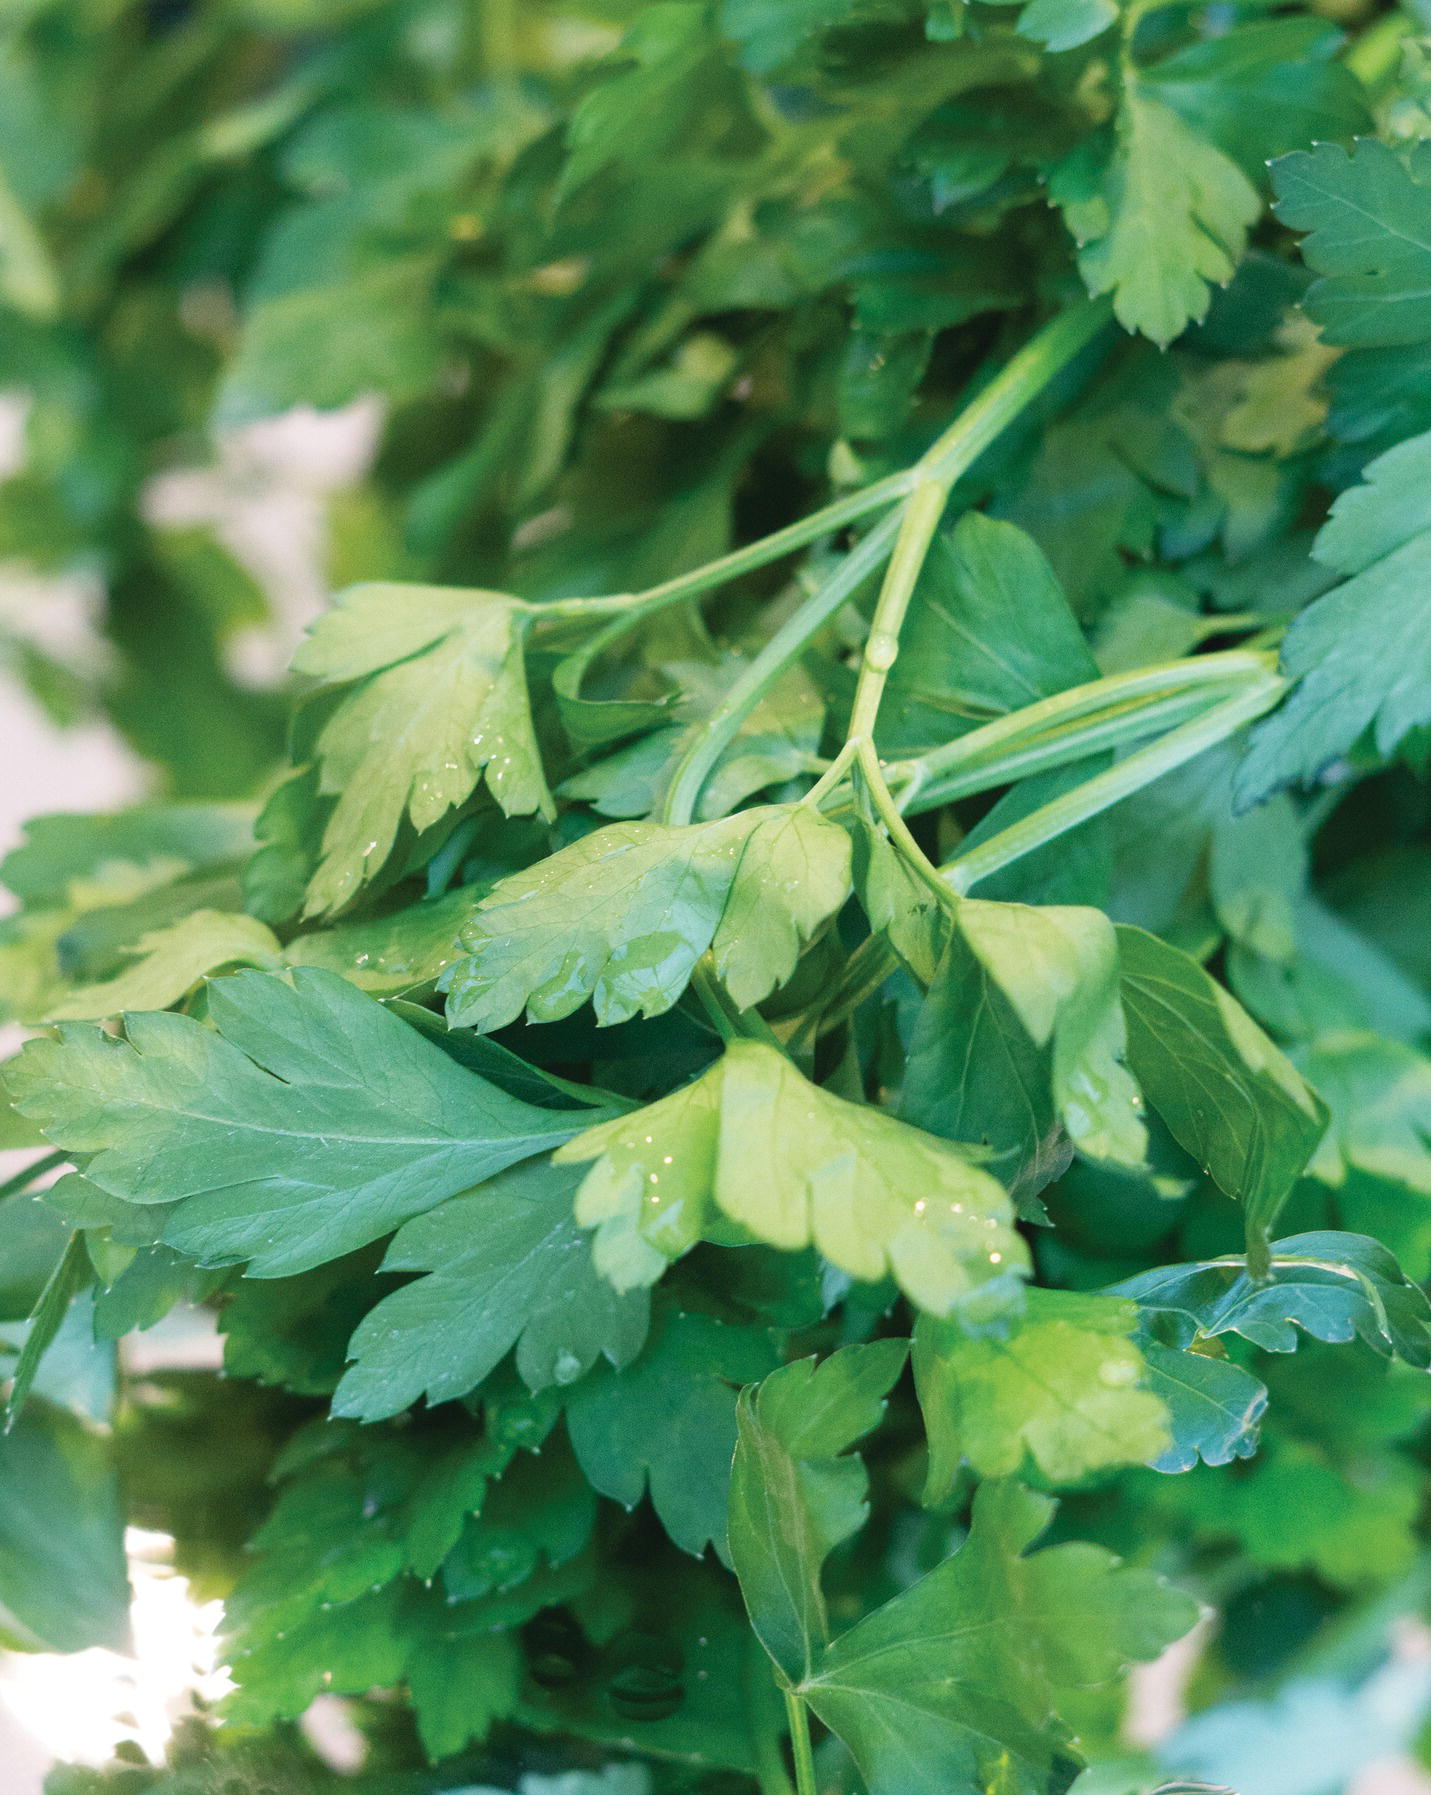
802,1100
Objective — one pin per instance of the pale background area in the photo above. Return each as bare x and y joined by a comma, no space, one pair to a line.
266,495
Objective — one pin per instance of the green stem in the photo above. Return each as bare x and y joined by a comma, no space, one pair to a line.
1021,379
1093,718
918,521
804,1757
888,812
753,555
1095,795
778,655
32,1173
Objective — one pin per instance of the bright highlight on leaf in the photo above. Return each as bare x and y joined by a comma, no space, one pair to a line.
438,699
791,1164
1064,1393
623,915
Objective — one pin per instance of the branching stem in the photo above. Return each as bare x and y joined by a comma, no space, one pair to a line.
800,1744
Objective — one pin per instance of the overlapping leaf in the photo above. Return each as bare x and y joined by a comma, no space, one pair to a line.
305,1123
755,1143
1066,1391
956,1681
1335,1287
1229,1097
438,699
1020,1043
622,917
504,1265
1360,654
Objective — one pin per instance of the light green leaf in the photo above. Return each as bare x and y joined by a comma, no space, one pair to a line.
169,962
1229,1097
441,700
1379,1093
623,915
954,1684
794,1496
1065,1391
306,1122
793,1165
668,1420
1361,654
506,1266
1159,220
1019,1045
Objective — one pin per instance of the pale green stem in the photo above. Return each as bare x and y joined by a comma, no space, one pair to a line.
1095,717
918,522
776,658
1097,794
753,555
804,1757
1021,379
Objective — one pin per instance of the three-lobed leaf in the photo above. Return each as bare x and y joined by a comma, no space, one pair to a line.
792,1165
438,699
622,917
955,1682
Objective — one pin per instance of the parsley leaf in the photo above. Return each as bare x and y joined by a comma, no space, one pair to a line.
440,699
960,1675
796,1493
623,915
1229,1097
305,1123
505,1266
1336,1287
1019,1044
1361,655
1065,1391
792,1164
668,1420
1158,213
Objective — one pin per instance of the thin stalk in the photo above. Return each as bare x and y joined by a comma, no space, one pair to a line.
32,1173
1095,795
919,520
778,655
1094,698
753,555
1057,746
888,812
1022,378
804,1756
